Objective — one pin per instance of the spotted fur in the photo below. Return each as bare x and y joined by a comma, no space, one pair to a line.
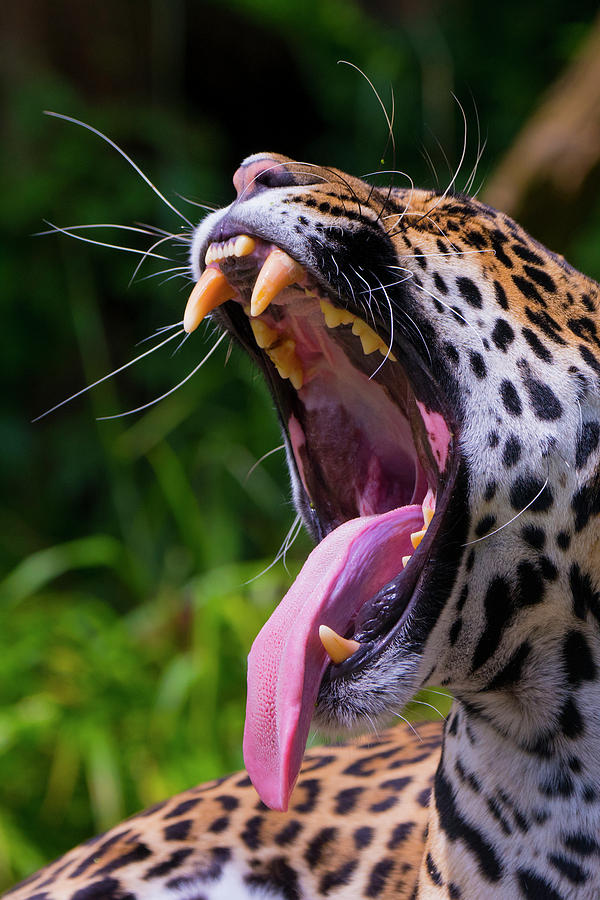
510,619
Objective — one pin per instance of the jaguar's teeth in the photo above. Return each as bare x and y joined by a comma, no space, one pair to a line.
211,290
416,537
284,358
369,339
242,245
405,560
428,507
339,649
334,316
263,335
279,270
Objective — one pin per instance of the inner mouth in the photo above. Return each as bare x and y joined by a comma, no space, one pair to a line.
371,457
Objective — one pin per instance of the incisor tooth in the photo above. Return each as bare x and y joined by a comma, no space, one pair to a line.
244,245
405,560
338,648
211,290
416,537
278,272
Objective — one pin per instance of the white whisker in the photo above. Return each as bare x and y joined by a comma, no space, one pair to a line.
178,275
138,229
456,252
159,331
391,341
410,725
106,377
450,309
104,137
145,256
185,237
291,537
179,269
207,206
79,237
294,530
130,412
262,459
443,196
180,344
510,521
430,705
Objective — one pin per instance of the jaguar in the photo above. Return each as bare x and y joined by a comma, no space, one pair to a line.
436,373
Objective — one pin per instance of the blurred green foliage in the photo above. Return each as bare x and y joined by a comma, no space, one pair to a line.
127,545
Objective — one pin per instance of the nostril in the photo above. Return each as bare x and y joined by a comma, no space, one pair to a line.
275,176
258,175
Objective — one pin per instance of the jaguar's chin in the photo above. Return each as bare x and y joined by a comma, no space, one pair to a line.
373,458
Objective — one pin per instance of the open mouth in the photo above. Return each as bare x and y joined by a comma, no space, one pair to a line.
373,459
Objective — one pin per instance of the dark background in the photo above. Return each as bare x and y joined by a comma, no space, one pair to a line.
126,545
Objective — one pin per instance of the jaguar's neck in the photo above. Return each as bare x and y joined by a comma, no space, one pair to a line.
512,822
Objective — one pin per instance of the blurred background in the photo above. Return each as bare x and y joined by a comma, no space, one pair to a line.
127,546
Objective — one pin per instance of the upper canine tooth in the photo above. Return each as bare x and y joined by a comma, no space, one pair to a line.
278,272
210,291
338,648
244,245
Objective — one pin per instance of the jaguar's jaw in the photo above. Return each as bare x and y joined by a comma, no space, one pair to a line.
371,454
335,381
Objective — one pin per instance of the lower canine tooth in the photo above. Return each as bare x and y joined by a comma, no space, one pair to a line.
278,272
428,507
416,537
405,560
211,290
338,648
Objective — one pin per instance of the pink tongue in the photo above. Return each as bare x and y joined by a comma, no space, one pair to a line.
287,660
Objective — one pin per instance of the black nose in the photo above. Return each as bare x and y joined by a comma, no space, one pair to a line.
258,175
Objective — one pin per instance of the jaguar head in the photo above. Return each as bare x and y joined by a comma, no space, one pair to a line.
391,326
